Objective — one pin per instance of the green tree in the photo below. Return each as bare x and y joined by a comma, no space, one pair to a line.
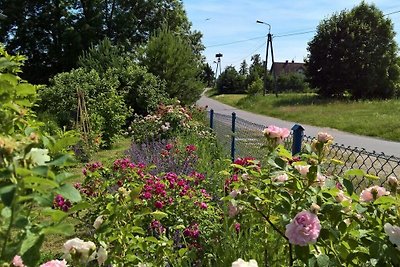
54,33
171,58
243,68
354,50
256,69
207,75
229,82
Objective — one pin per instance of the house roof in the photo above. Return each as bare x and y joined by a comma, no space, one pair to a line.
287,67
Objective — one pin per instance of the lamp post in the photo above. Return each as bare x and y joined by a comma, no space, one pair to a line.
269,41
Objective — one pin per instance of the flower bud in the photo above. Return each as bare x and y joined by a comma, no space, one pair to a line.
392,181
314,208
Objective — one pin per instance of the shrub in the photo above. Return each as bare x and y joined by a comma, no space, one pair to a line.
31,165
256,87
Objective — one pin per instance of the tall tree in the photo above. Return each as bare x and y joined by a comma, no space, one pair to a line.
54,33
171,58
354,50
243,68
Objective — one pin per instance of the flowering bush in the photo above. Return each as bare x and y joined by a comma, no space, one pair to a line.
167,122
322,219
143,217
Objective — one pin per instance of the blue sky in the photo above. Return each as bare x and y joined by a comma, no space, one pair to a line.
228,21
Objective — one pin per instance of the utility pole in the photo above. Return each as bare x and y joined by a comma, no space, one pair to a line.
269,43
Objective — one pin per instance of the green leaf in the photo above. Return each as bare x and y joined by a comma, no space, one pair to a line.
182,252
63,160
354,172
349,186
30,249
371,177
137,230
30,241
69,192
386,200
41,184
323,260
6,212
302,253
61,229
65,176
56,215
158,215
7,194
79,206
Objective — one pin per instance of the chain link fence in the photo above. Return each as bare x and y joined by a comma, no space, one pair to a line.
241,138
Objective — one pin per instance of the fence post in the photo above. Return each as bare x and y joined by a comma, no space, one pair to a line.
298,133
233,136
212,119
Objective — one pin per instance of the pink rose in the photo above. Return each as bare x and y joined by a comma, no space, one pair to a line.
372,193
17,261
276,132
303,229
280,178
324,137
340,197
55,263
320,179
302,169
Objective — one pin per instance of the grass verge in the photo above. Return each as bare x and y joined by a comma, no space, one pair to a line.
377,118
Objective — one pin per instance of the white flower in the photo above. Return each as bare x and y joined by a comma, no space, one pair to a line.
97,223
79,247
101,256
242,263
394,234
320,179
283,177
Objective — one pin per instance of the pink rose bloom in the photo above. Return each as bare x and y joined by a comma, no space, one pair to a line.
302,169
17,261
320,179
394,234
340,197
303,229
324,137
281,178
276,132
372,193
55,263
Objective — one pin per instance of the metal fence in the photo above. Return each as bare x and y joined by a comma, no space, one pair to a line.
241,138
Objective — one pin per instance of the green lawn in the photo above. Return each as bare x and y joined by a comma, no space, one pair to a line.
378,118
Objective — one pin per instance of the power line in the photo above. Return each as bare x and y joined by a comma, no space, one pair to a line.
394,12
235,42
292,34
250,54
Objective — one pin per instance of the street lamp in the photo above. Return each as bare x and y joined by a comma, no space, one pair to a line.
269,41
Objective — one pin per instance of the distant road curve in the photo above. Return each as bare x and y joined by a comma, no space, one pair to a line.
371,144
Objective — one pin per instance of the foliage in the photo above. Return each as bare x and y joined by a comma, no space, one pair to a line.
56,33
354,51
104,56
322,220
256,87
171,58
105,106
292,82
163,219
31,172
167,122
229,81
207,75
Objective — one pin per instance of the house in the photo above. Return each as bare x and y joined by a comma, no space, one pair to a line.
281,68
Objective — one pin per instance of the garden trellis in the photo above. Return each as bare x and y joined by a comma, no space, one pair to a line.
241,138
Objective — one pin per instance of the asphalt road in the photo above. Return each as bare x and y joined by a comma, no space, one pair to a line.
375,145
